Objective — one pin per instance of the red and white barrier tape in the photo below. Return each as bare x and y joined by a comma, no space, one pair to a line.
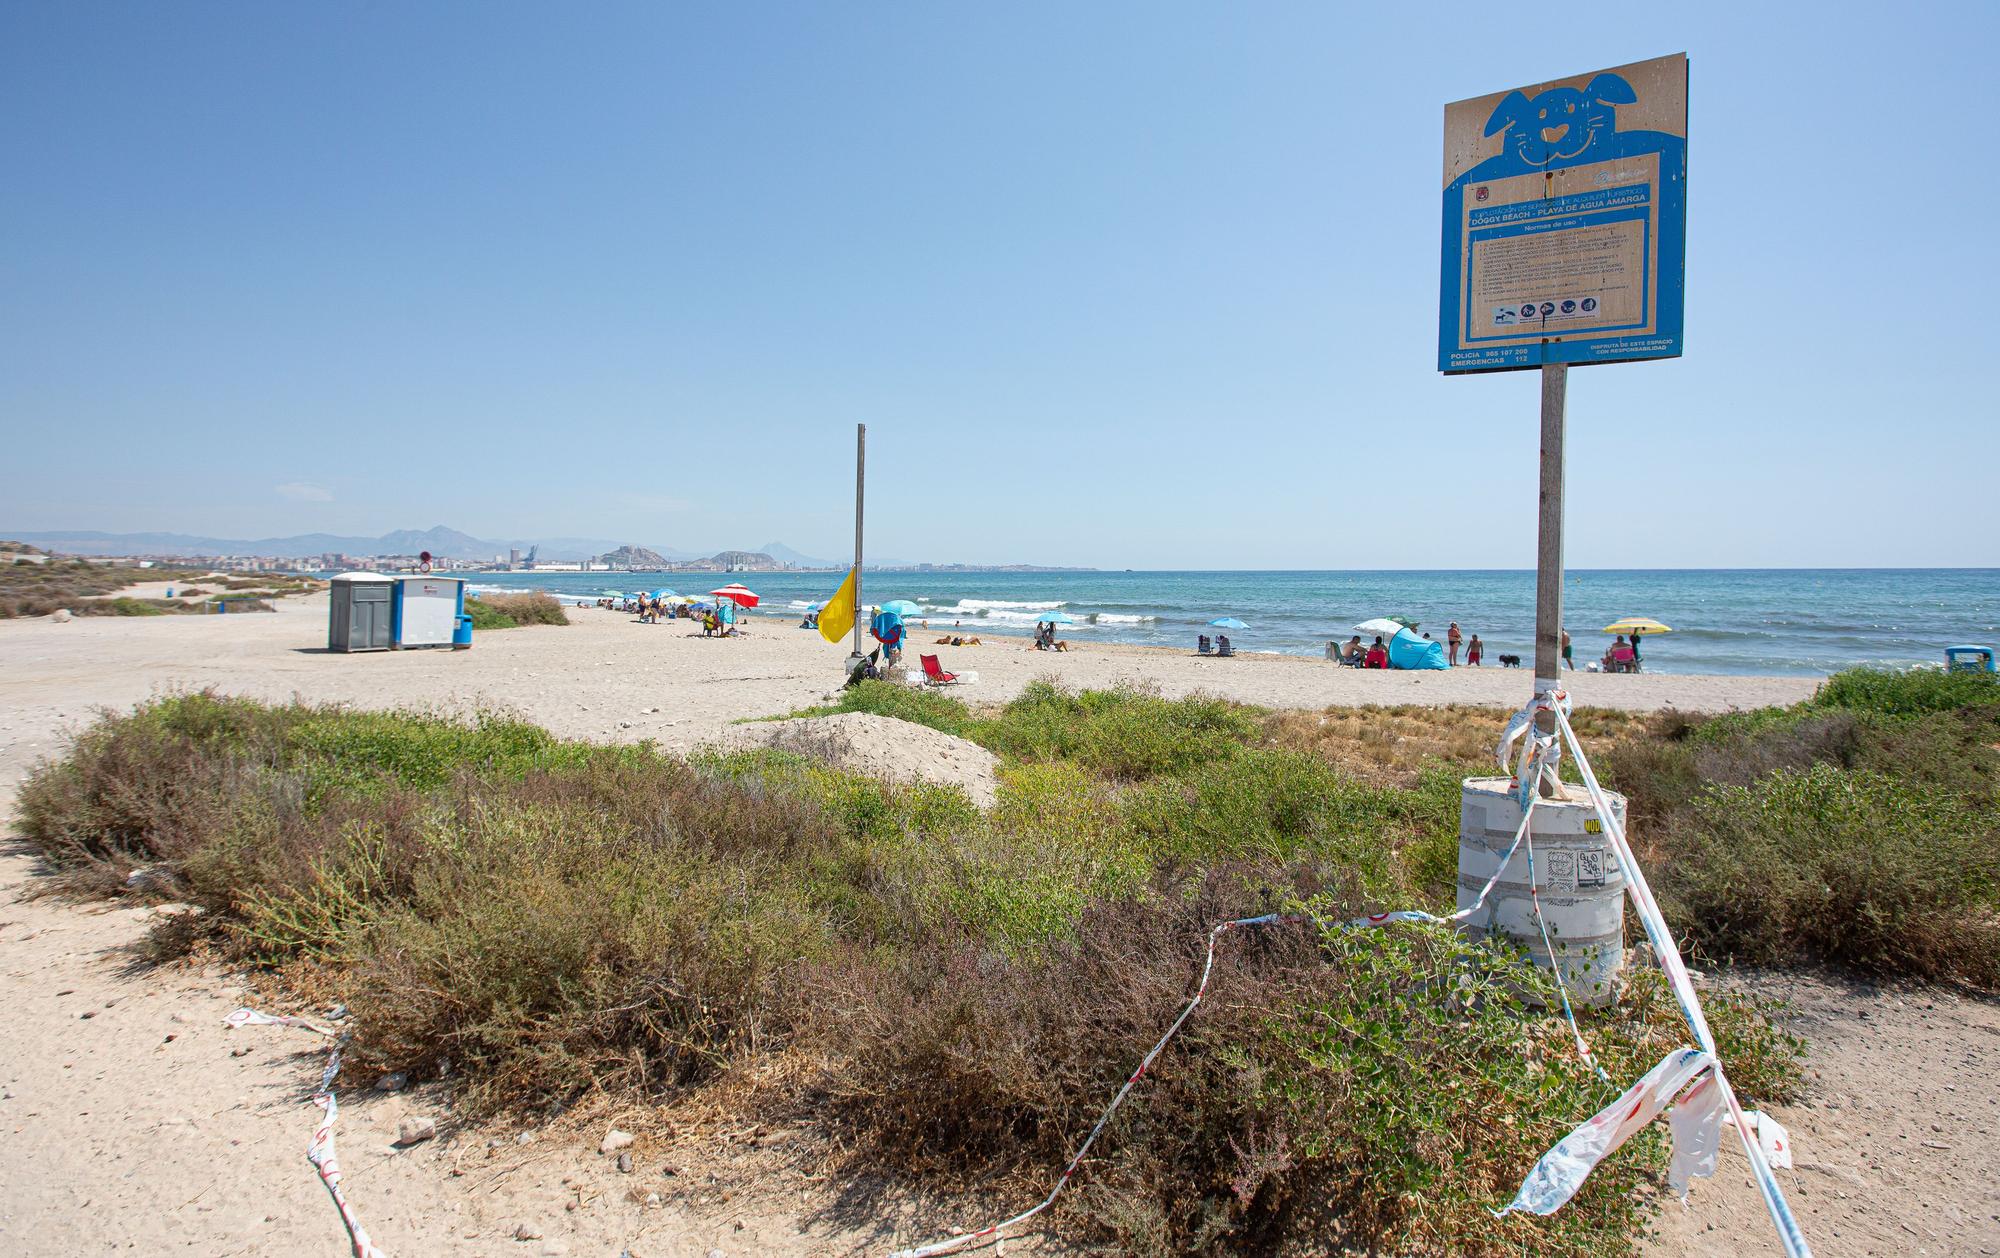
320,1152
1790,1235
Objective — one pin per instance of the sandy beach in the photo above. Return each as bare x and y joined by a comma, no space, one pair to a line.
134,1121
607,677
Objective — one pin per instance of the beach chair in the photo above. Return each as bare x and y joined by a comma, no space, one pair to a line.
1222,646
1203,646
934,673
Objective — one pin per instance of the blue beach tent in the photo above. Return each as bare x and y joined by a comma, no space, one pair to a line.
1407,650
887,628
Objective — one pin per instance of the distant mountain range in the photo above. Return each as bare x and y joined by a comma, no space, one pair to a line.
785,554
445,543
441,541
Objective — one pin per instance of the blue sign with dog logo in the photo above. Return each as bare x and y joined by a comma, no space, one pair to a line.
1565,221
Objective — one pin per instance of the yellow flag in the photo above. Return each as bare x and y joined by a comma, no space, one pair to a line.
836,619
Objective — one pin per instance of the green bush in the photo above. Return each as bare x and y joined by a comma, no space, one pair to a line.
1127,733
486,616
510,611
905,703
1845,866
123,606
1910,693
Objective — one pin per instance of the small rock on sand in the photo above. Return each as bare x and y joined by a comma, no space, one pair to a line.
415,1131
526,1232
614,1140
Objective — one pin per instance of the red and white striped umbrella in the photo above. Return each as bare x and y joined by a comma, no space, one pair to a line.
736,594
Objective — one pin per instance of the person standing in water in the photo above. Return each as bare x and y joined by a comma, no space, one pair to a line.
1451,640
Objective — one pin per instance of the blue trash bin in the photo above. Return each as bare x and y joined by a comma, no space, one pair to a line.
461,637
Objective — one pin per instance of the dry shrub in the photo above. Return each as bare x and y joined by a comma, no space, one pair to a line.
1378,1091
1394,746
538,919
37,589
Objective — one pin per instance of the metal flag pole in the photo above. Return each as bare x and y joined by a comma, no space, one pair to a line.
860,480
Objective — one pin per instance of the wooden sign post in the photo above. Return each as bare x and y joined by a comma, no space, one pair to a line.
1549,548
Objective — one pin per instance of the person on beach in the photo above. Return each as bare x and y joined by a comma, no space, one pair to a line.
1567,661
1451,640
887,628
1620,658
1353,652
1377,657
1475,650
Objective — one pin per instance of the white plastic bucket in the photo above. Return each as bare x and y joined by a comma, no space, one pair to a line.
1577,872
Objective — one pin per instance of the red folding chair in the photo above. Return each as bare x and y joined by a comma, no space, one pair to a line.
934,673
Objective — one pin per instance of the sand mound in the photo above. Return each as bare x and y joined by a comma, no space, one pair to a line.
879,747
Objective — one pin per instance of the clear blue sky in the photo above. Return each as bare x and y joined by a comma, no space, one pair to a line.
1149,285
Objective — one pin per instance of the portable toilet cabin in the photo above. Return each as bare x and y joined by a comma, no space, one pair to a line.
360,616
427,611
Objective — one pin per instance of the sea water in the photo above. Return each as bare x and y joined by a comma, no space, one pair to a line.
1781,622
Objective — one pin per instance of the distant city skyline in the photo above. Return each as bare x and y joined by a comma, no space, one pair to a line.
1122,286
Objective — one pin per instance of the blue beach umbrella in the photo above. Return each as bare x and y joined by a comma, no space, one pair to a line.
902,607
1056,618
662,592
1228,622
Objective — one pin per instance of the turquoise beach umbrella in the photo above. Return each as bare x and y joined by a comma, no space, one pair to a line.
902,607
1056,618
1228,622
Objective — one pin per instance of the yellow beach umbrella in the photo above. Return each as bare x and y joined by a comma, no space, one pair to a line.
1637,624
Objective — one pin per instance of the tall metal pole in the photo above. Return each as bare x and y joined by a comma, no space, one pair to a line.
1549,549
860,480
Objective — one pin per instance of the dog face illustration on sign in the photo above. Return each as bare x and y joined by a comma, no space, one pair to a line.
1562,122
1565,209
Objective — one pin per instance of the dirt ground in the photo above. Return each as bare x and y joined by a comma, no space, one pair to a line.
131,1121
